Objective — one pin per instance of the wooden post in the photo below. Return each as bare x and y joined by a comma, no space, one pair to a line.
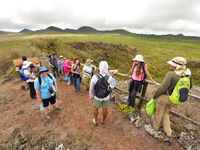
144,89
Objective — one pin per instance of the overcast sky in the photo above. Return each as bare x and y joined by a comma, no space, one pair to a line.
138,16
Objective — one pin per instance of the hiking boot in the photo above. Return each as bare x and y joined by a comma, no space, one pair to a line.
79,93
75,91
68,83
47,117
94,122
59,108
102,122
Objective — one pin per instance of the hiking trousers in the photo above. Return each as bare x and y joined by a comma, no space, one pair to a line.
163,107
86,83
134,87
32,90
55,71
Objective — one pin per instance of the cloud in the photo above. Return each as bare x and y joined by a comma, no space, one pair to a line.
144,16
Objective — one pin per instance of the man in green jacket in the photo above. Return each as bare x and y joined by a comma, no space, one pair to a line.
178,68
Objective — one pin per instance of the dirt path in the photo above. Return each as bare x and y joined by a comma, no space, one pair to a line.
73,125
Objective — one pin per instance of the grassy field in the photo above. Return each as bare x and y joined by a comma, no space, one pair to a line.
156,51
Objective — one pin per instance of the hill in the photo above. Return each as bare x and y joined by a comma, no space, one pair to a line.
25,31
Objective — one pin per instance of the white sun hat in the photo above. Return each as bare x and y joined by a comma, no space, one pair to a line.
61,56
26,64
138,58
181,66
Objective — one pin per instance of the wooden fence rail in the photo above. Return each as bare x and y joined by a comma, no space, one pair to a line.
142,98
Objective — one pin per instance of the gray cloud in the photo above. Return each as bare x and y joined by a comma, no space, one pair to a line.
159,17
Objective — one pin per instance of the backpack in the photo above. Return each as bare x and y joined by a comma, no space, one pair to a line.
40,80
102,88
181,91
144,73
22,75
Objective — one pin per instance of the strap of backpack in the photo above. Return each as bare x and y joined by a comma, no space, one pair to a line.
50,77
40,81
99,76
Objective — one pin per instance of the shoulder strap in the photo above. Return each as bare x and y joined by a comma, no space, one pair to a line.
39,79
99,76
49,76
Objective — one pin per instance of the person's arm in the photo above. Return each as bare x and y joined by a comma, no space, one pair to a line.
56,87
95,68
37,89
58,65
86,73
164,86
50,64
130,70
38,95
31,77
82,65
91,90
62,70
148,74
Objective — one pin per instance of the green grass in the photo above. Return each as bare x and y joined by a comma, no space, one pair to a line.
156,51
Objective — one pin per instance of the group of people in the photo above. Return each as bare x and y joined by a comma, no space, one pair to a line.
99,86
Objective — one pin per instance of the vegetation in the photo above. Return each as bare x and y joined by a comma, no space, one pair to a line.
157,50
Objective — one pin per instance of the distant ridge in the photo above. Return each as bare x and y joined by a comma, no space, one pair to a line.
54,28
91,30
25,31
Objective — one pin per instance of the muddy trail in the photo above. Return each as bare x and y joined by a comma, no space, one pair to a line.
24,127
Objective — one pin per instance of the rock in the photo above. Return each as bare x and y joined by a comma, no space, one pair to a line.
159,135
188,141
139,122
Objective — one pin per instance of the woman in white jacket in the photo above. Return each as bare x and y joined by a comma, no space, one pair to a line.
102,99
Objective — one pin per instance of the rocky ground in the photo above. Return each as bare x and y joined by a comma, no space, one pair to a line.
24,127
186,134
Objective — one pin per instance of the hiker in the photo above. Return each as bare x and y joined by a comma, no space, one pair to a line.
178,69
88,73
27,75
54,64
60,61
46,90
140,71
100,89
112,73
66,70
75,69
24,58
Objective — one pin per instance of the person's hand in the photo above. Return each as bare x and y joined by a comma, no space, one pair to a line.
40,100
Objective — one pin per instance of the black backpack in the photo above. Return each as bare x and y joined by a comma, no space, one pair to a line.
102,88
40,81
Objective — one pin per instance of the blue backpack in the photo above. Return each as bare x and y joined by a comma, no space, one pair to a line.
144,75
22,75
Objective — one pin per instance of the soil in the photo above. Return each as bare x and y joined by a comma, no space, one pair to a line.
71,126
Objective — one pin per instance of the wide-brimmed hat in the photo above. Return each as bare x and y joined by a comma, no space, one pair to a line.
61,56
89,62
181,66
26,64
138,58
43,69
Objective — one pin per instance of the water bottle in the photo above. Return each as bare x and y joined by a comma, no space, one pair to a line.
41,106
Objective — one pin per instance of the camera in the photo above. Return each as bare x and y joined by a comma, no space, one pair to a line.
51,91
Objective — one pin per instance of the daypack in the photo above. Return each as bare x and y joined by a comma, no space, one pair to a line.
40,80
22,75
144,73
102,88
53,62
150,107
181,91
